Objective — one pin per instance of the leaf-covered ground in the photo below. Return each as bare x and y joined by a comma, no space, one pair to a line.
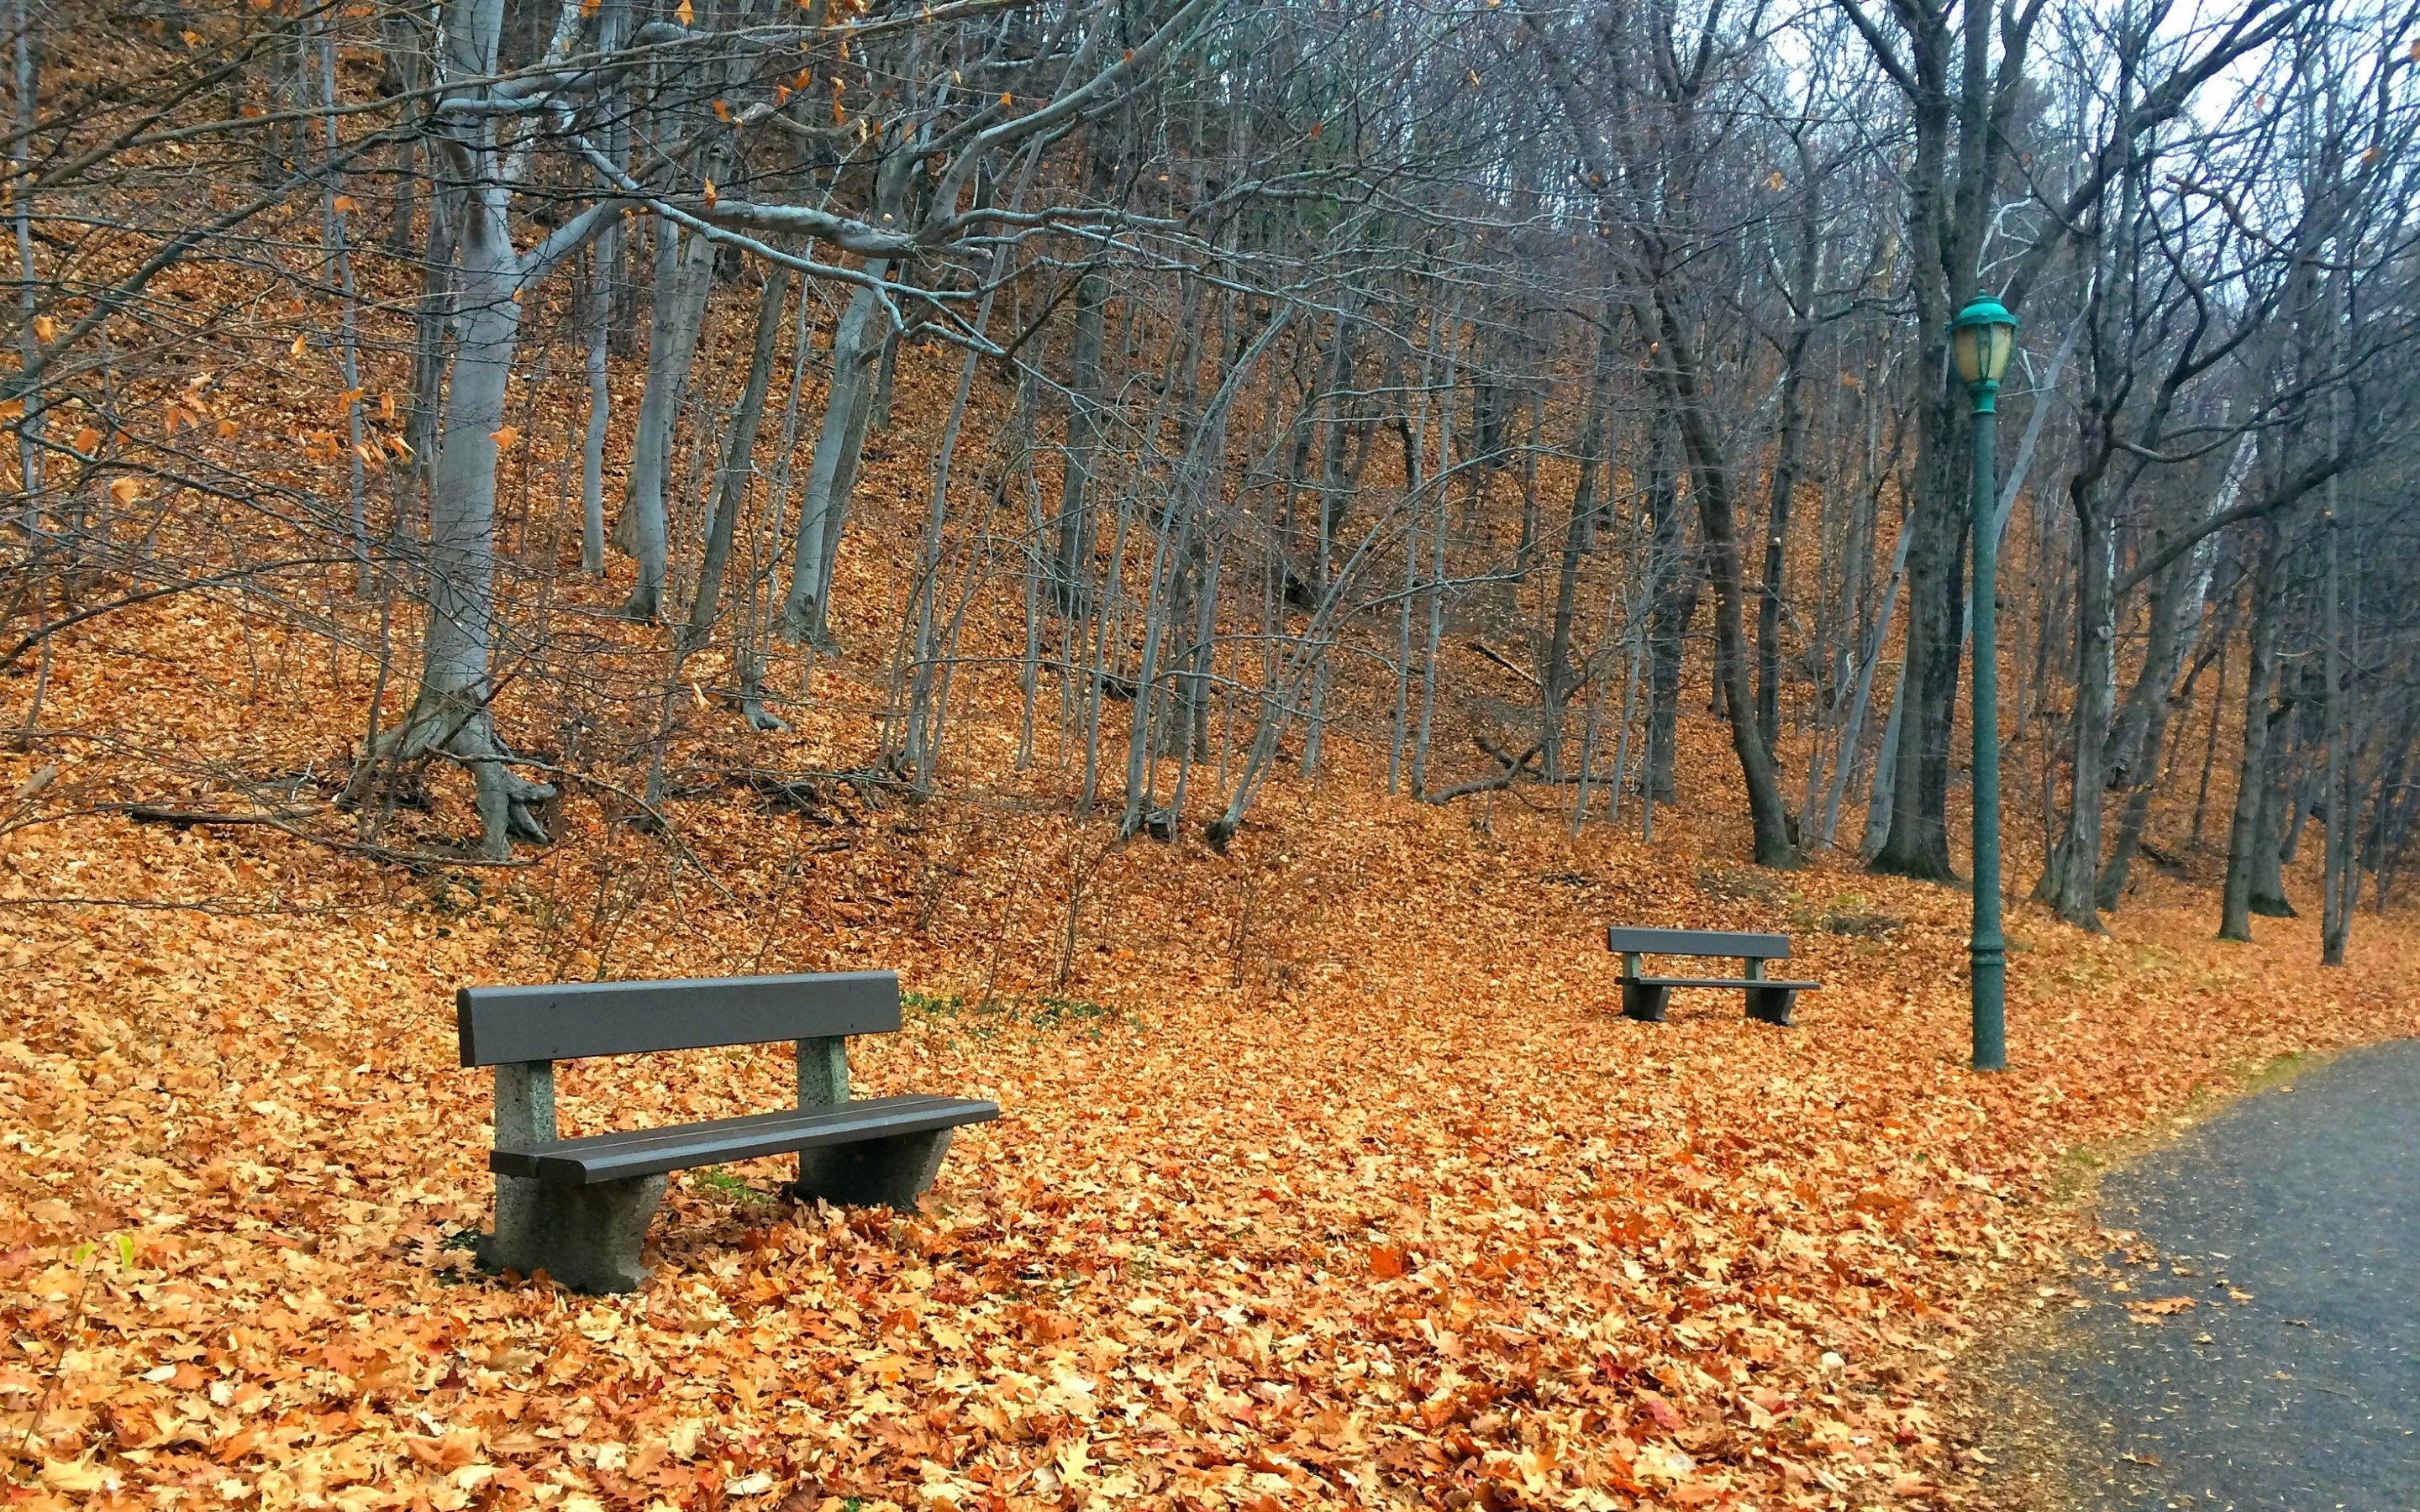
1328,1176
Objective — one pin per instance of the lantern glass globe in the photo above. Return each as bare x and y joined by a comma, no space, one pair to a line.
1983,337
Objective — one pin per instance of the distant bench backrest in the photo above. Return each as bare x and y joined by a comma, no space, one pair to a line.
1697,942
568,1021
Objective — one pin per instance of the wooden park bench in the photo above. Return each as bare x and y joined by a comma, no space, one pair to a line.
579,1209
1644,998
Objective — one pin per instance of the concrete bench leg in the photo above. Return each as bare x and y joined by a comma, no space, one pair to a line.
1644,1002
1771,1005
587,1238
872,1173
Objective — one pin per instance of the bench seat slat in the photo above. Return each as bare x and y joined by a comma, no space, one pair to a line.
613,1157
1627,941
1719,982
710,1130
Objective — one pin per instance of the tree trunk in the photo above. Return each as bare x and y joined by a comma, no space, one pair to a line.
1672,603
1918,841
2208,757
2277,801
2135,759
604,260
1442,477
1717,517
832,473
2252,779
399,40
2072,883
2335,904
1333,496
1195,489
684,277
1415,433
1878,798
1944,221
1073,552
600,295
450,713
1789,453
1555,692
738,460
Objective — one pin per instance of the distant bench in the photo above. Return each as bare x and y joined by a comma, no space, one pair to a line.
1644,998
579,1209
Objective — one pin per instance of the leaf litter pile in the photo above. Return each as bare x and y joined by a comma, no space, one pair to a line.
1328,1173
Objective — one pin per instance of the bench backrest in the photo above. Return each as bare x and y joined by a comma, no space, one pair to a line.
1697,942
566,1020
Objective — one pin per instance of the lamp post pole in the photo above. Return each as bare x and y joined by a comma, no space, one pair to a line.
1987,948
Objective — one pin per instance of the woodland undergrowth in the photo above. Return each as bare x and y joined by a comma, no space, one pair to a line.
1328,1173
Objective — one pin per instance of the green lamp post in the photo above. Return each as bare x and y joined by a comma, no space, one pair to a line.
1982,337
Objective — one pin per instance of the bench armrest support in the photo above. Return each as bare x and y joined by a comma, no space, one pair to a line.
823,1072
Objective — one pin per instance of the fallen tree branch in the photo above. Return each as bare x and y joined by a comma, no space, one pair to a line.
1513,766
1507,663
283,820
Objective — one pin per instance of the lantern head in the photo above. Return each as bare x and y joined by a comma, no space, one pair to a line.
1982,336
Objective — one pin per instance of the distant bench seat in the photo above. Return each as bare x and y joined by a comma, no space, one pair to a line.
1645,997
579,1209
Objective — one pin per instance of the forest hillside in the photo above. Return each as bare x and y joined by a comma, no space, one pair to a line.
1226,545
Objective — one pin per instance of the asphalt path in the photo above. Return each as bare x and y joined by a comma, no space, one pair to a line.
2292,1221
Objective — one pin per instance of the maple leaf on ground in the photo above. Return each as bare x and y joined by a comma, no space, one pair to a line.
449,1451
2152,1310
78,1475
